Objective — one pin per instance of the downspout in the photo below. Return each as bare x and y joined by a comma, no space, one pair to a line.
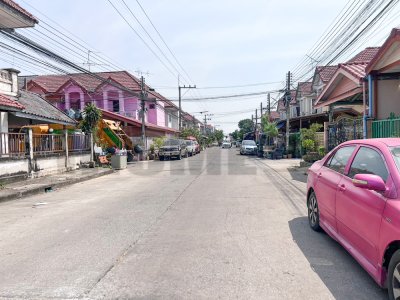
370,102
370,96
364,111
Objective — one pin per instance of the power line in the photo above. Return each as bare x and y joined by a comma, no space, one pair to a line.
141,38
150,37
162,39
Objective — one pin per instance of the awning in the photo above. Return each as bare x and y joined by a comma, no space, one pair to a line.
281,124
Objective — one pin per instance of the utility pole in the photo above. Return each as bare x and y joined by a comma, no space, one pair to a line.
269,105
255,129
206,117
288,98
180,102
142,105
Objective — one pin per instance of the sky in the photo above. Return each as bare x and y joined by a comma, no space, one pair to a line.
218,43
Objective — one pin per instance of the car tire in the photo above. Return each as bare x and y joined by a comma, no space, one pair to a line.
313,212
394,275
161,158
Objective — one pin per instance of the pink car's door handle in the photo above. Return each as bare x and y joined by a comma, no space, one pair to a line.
342,187
319,175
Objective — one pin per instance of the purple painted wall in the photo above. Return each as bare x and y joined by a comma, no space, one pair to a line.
128,105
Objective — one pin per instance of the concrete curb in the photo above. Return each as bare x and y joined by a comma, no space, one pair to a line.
8,195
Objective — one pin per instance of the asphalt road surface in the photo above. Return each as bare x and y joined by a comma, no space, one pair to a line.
217,225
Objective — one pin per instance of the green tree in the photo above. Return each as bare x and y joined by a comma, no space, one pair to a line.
219,136
186,132
269,128
246,125
235,135
91,117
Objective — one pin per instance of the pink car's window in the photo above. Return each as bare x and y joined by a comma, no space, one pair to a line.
368,161
339,160
396,155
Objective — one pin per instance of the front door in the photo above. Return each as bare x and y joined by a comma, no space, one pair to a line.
359,211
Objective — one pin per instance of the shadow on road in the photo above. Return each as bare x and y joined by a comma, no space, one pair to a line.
298,174
340,273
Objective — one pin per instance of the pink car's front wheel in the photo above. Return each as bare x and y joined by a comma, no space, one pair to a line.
313,212
394,276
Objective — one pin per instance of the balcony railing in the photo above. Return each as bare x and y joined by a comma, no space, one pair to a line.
78,142
13,145
44,144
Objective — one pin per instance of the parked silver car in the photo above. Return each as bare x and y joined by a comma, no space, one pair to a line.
248,147
173,148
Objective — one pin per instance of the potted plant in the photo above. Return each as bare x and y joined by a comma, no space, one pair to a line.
152,152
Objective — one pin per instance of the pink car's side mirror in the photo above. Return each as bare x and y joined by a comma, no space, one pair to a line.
369,182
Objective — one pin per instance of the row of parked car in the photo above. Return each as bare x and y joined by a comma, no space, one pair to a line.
178,148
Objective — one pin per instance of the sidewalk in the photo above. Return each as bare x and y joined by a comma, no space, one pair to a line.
290,169
49,183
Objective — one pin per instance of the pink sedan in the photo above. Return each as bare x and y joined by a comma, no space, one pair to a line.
354,196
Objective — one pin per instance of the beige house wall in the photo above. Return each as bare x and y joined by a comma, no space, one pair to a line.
388,99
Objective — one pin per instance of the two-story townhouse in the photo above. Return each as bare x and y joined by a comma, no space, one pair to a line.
294,108
382,107
344,96
117,94
304,96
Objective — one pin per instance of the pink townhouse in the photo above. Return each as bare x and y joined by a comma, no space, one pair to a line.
72,92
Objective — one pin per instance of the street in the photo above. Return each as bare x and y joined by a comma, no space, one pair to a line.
216,225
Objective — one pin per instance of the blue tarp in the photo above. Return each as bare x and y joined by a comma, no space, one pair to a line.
280,124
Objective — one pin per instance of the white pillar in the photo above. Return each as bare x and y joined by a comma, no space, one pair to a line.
30,141
105,100
91,147
121,101
3,133
82,98
66,147
67,101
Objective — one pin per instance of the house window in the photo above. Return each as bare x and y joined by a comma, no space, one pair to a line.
115,105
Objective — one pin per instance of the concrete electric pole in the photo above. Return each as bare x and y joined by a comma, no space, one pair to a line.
180,103
288,98
143,110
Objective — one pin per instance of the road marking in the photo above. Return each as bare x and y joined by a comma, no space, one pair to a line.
167,165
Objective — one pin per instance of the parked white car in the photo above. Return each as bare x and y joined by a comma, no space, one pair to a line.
226,145
191,147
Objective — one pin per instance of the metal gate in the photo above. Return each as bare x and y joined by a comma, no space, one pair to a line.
343,130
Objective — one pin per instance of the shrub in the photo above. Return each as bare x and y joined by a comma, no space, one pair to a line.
321,151
311,157
308,144
158,142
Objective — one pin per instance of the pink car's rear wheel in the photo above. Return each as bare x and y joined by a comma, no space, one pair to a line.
313,212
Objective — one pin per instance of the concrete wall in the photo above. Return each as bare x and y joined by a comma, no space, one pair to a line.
50,165
388,98
41,166
13,167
